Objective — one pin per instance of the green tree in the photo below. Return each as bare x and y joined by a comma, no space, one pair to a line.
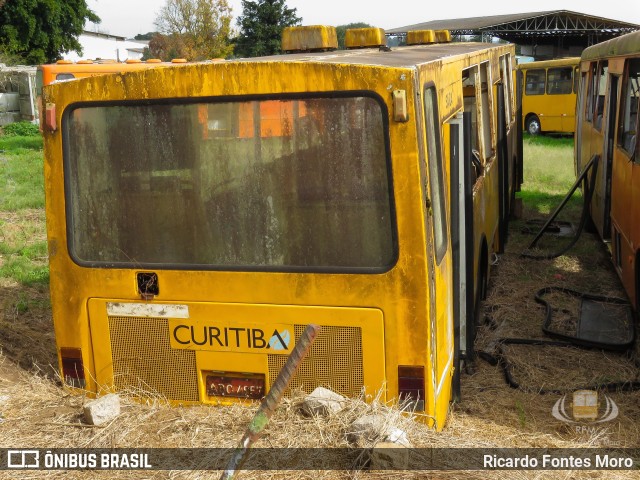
261,25
195,29
144,36
41,31
341,30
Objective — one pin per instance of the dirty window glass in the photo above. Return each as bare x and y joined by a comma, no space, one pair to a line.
535,82
559,81
599,93
628,117
505,73
253,184
436,178
61,77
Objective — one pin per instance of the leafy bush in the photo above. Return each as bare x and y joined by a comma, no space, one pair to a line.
21,129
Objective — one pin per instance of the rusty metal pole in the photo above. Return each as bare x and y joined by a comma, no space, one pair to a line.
271,400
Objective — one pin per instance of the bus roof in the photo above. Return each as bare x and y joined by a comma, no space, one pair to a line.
399,57
628,44
559,62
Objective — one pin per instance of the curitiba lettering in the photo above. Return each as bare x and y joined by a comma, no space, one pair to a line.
229,337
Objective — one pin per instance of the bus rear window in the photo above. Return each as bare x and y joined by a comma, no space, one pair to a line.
297,184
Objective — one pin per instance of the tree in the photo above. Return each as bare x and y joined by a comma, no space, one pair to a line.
167,47
261,25
40,31
145,36
195,29
341,31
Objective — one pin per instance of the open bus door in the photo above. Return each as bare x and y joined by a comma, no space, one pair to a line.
611,102
462,243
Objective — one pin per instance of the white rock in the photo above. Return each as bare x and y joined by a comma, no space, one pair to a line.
399,437
323,401
102,409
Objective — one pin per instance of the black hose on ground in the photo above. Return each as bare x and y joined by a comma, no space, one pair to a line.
546,325
500,359
589,187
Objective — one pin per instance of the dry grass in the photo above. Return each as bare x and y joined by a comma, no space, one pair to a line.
37,412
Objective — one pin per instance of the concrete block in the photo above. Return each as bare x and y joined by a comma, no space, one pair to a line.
323,401
9,102
102,410
374,428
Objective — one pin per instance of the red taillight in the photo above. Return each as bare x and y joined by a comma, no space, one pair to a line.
50,117
72,367
411,386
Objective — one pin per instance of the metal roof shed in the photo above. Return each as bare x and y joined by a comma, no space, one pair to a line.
550,34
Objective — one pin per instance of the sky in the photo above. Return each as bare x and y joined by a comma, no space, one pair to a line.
130,17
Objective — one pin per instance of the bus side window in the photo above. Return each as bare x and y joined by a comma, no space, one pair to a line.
582,100
559,81
485,108
536,79
61,77
505,74
590,94
600,86
436,177
628,117
470,97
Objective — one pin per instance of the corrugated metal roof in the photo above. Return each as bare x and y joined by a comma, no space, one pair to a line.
486,23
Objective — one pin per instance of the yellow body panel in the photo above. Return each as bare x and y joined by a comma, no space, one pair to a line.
399,316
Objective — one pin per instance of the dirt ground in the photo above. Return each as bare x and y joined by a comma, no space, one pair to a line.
37,412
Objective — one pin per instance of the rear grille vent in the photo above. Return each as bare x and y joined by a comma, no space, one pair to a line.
144,362
334,362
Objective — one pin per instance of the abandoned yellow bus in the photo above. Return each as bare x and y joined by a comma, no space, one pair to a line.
608,127
549,95
199,217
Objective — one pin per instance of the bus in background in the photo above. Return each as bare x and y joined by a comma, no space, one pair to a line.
607,126
65,70
549,95
200,217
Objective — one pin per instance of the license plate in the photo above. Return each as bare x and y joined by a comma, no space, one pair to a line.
244,386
